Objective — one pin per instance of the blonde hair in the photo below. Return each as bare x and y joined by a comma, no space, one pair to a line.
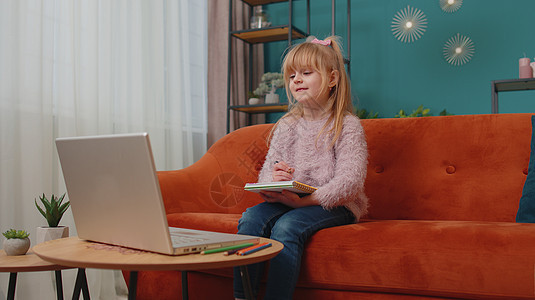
323,59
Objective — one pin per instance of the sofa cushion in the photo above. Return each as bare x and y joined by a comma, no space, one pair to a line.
422,257
447,168
526,208
227,223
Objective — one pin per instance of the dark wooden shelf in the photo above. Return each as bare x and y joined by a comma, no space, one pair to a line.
268,34
261,108
262,2
514,84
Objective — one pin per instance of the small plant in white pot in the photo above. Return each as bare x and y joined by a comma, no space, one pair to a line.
16,242
269,83
53,211
253,98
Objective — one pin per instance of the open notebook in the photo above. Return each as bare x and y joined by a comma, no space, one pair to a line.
278,186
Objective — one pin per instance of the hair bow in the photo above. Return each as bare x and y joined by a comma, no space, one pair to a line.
321,42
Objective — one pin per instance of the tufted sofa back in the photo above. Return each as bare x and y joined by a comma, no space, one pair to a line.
469,167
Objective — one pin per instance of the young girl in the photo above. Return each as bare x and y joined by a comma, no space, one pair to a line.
319,142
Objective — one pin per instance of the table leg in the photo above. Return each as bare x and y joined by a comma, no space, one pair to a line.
81,285
185,295
132,286
12,285
59,285
246,282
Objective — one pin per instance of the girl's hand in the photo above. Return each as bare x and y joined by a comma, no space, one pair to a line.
282,172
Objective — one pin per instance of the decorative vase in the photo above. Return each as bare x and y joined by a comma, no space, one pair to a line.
259,19
16,246
254,101
45,233
272,98
524,68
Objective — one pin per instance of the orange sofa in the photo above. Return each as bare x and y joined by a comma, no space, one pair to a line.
444,192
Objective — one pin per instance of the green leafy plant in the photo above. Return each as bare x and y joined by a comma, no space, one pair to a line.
364,114
53,209
252,95
419,112
445,113
269,83
15,234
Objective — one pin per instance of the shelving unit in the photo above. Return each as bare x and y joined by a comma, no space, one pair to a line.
261,108
509,85
266,35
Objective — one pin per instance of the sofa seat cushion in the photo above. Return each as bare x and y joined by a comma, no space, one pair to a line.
448,258
220,222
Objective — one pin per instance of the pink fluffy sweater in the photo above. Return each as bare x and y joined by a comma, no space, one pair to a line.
338,172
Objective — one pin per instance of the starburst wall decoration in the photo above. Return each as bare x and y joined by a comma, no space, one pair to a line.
450,6
409,24
458,50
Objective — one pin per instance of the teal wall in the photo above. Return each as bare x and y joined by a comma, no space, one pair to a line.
388,75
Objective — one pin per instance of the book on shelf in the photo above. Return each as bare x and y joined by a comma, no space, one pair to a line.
279,186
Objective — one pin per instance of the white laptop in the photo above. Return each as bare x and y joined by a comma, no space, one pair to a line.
115,197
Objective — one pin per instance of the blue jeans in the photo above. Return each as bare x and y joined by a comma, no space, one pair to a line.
292,227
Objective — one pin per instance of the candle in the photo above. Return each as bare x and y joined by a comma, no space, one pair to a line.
524,69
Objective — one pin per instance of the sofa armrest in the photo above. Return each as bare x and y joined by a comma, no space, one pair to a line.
188,189
215,182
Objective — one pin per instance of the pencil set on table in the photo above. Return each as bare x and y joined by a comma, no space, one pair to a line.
250,250
243,249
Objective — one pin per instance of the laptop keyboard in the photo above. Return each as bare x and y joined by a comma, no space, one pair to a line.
181,239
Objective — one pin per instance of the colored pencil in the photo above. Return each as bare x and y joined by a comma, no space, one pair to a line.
256,249
249,248
230,252
253,249
223,249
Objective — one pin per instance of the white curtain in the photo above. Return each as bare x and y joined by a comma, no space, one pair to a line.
89,67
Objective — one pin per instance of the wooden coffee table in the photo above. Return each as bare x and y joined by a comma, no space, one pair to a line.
78,253
28,263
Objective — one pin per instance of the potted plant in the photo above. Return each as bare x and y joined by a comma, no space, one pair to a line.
253,98
16,242
269,83
53,211
419,112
